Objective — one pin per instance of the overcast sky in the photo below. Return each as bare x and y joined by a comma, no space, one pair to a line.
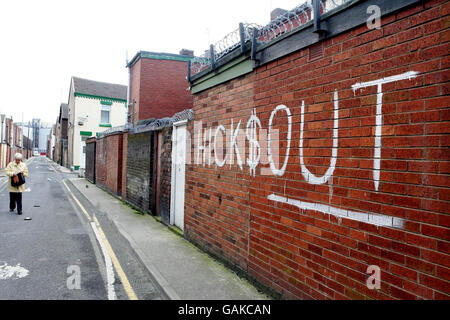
44,43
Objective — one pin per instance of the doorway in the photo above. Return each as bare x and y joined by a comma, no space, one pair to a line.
83,152
178,174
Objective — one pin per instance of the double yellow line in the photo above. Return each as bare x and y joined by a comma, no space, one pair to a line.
126,284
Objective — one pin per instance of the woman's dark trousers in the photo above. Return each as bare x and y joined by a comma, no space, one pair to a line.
15,197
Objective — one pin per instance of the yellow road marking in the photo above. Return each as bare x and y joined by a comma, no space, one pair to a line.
78,202
126,284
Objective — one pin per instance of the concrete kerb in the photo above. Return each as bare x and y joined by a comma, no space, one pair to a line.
153,269
159,279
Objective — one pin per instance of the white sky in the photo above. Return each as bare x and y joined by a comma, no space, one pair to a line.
44,43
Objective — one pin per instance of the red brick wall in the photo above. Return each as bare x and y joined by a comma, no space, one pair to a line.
165,173
100,162
17,135
109,163
159,88
135,90
124,164
9,155
217,210
304,253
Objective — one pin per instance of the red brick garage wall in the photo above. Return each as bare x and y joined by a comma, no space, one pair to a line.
124,164
286,230
100,162
109,163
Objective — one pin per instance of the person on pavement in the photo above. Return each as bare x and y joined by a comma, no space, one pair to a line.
15,193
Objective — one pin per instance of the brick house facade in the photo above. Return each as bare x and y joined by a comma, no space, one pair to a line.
158,85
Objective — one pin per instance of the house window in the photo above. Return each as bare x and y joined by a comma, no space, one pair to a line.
104,116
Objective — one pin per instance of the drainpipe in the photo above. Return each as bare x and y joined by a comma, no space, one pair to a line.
128,94
2,118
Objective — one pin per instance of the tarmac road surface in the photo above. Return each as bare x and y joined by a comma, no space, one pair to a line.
65,251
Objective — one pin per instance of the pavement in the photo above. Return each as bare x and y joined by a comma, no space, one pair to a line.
181,270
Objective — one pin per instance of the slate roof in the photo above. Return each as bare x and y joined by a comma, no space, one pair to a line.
100,89
64,110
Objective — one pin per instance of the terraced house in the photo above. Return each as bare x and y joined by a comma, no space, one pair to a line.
93,107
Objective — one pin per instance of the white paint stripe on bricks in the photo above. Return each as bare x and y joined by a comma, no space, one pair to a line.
110,279
375,219
407,75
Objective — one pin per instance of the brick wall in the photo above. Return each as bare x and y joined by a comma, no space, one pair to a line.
139,173
56,153
159,88
165,170
148,182
108,169
312,230
217,211
124,164
100,162
135,92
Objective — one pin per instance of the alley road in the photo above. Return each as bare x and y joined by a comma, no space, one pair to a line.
65,251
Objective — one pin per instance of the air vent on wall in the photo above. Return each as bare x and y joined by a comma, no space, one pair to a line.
316,51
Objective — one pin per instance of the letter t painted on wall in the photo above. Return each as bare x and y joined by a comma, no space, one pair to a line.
379,116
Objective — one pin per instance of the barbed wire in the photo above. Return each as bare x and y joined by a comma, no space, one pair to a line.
158,124
199,64
112,130
286,22
149,124
328,5
283,24
233,40
223,47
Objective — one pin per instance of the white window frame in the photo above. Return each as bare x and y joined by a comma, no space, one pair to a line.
105,107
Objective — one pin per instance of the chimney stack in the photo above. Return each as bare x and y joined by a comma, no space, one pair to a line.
186,52
276,12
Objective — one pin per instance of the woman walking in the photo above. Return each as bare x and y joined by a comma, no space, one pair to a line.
14,170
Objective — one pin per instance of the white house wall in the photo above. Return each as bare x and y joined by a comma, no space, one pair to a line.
91,108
